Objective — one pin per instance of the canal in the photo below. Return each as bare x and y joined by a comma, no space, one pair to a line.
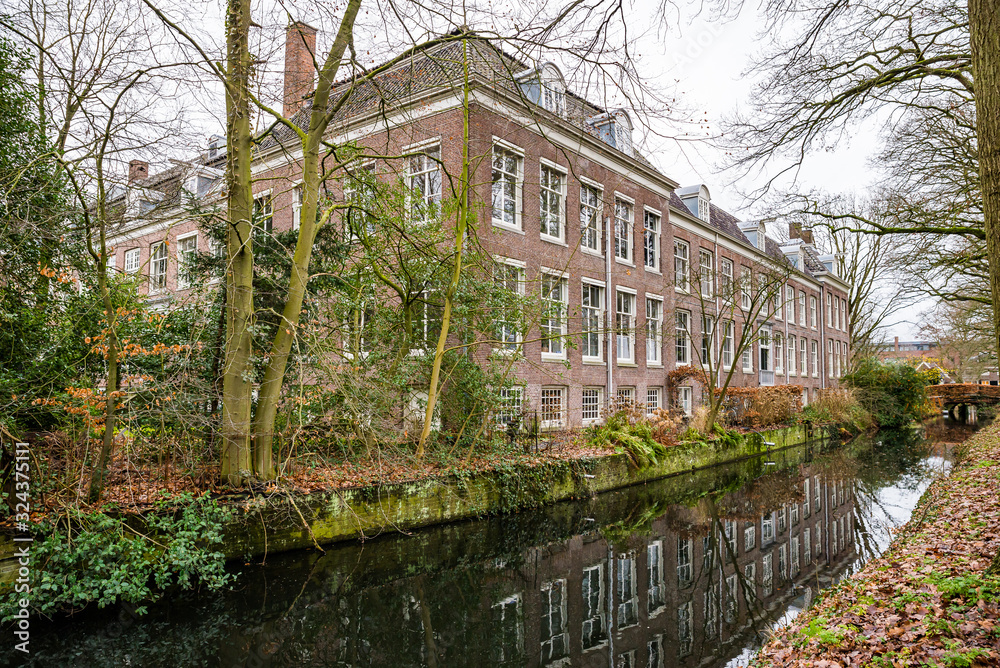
687,571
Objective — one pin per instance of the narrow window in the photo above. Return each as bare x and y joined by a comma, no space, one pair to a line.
506,187
651,241
623,230
592,315
424,181
187,250
554,638
654,326
550,203
594,628
625,326
681,264
511,279
553,322
682,337
590,234
158,266
706,273
707,334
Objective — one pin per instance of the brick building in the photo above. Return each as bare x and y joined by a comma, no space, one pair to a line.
630,265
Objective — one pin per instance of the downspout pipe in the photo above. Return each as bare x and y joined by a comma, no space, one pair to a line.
609,310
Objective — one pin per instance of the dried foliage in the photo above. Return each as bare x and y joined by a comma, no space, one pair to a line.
759,406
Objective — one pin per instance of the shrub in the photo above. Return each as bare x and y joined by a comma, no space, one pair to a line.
893,394
627,430
759,406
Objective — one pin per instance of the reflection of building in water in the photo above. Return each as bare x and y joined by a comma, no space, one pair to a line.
688,596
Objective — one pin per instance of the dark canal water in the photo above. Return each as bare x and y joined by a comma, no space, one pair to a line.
687,571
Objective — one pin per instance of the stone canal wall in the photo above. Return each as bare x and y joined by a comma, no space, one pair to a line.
280,523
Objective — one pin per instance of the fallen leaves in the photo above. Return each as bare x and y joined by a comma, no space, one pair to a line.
930,599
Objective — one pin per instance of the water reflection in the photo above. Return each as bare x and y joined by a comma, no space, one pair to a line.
683,572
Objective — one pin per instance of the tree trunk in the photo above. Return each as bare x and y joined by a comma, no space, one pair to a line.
281,346
236,381
984,29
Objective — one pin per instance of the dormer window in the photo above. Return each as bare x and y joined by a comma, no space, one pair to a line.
698,201
145,206
545,87
703,210
203,185
614,129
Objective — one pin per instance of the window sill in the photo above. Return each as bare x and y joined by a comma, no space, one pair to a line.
654,365
681,291
591,251
549,357
552,240
622,261
626,363
653,271
593,361
508,228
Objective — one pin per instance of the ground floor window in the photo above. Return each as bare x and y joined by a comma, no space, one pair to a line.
591,403
511,401
653,399
684,399
553,406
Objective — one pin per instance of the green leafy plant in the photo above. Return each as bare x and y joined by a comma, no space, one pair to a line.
87,558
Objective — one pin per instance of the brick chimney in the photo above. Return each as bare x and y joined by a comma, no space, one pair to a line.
896,345
796,231
300,66
137,170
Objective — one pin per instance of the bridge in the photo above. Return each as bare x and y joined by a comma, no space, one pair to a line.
957,398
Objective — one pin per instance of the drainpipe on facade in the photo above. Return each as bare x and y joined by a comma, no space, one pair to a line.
611,606
609,310
715,325
822,335
784,316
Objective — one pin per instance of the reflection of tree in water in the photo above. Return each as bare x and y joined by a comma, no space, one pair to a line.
492,592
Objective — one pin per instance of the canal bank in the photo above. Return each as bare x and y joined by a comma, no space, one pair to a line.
689,568
933,598
271,523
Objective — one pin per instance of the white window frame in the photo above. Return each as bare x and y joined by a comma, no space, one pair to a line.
707,340
728,335
804,356
654,399
624,237
706,272
790,304
547,421
793,355
297,206
596,393
746,280
682,265
591,212
596,313
505,150
802,308
263,208
685,398
814,347
133,257
812,311
351,192
652,223
183,278
779,353
504,345
625,319
654,332
430,201
829,358
546,193
726,278
561,307
158,267
843,315
682,337
511,401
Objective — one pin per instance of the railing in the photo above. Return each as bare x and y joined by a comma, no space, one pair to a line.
766,378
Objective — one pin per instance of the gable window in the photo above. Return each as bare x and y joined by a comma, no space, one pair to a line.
651,240
705,271
555,298
550,202
812,311
506,188
187,249
681,264
682,337
131,261
424,182
654,325
623,230
625,326
510,277
203,184
592,315
158,267
590,231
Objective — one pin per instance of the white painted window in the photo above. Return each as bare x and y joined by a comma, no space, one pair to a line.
746,358
802,308
779,353
685,573
767,574
132,260
829,358
112,261
807,545
511,402
263,213
509,277
157,266
685,398
706,272
727,344
803,355
592,316
654,399
623,230
555,299
590,217
654,329
712,611
509,617
794,514
554,406
359,195
746,288
654,651
732,602
554,639
187,251
749,537
296,207
685,631
682,337
628,596
591,404
625,326
783,561
750,580
806,508
792,357
812,311
794,549
707,336
682,267
818,539
729,527
424,182
506,188
777,305
726,280
790,303
814,347
651,240
766,529
594,627
626,396
656,594
818,490
838,358
843,315
550,203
